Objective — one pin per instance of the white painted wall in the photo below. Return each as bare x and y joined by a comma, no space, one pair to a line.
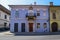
2,19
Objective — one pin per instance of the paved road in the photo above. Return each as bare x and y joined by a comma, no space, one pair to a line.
48,37
6,36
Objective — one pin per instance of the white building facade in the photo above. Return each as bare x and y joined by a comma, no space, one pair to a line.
4,18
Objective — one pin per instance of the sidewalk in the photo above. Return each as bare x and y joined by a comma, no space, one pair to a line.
6,33
35,33
29,33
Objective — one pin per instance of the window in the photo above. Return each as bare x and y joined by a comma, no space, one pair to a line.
5,24
44,14
9,25
17,14
22,27
38,13
15,27
30,12
54,16
38,25
45,25
5,16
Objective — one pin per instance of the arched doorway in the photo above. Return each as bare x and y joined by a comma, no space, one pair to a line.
54,27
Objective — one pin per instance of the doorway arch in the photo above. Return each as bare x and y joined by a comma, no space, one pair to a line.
54,27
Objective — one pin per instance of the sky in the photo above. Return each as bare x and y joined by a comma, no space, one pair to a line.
5,3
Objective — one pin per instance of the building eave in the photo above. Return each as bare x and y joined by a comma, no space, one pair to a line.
27,5
4,9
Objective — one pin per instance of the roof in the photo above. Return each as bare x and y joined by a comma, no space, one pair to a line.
55,6
28,5
4,9
36,5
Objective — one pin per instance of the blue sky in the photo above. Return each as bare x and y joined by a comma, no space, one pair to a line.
27,2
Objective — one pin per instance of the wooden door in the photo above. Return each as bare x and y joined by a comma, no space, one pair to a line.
30,27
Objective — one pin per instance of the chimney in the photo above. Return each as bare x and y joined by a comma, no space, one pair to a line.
51,3
34,3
